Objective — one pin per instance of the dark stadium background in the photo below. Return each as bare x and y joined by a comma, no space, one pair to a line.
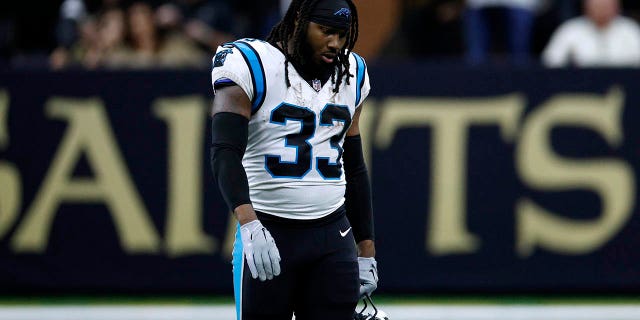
416,58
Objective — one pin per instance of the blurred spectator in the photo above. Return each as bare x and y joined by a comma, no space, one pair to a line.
484,18
71,12
110,43
97,42
548,17
599,38
149,47
116,38
86,31
208,22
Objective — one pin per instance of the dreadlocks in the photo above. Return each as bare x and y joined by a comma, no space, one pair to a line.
286,30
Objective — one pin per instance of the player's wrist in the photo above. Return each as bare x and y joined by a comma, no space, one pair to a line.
245,214
366,249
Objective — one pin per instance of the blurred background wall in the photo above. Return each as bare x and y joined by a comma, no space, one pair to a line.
504,154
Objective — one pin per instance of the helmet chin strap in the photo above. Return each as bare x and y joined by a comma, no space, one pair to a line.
368,316
375,310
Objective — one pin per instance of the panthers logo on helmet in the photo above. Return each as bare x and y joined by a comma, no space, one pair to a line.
363,314
345,12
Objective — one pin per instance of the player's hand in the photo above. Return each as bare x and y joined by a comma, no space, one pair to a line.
260,251
368,275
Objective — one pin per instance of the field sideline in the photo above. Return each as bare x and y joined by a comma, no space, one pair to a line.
395,311
466,299
399,308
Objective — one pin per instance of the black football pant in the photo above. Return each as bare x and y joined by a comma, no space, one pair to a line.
319,277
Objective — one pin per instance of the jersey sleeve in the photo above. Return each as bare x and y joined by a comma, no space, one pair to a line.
362,79
366,86
229,63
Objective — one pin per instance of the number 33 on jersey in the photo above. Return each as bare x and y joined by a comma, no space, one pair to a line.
294,153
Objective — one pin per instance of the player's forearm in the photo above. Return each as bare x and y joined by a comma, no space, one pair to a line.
244,213
359,208
358,190
228,143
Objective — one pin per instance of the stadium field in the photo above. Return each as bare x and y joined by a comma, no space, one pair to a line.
399,308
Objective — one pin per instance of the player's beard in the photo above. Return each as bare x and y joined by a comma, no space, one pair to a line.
311,64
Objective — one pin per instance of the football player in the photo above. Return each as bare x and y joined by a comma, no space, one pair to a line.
287,157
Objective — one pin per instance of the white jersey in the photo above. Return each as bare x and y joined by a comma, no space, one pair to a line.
293,158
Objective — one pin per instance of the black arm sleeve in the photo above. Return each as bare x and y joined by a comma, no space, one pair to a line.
358,193
229,133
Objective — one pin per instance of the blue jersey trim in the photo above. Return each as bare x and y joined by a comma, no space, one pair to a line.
223,82
258,79
360,72
237,263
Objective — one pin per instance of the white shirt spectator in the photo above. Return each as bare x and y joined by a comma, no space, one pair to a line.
581,43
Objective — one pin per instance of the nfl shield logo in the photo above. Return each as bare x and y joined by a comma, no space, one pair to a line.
317,85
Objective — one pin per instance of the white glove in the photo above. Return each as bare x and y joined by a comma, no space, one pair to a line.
260,250
368,275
